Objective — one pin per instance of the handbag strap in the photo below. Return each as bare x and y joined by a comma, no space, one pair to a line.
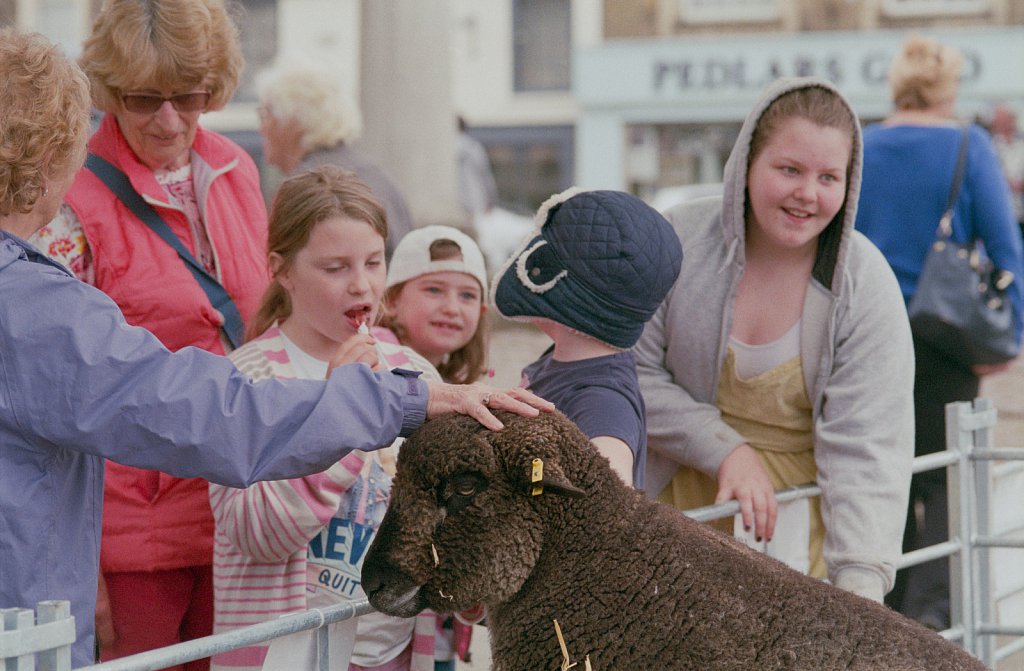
946,221
118,183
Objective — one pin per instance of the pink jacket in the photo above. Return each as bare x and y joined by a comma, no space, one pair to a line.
151,520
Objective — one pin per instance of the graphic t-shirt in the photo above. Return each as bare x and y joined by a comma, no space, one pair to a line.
334,557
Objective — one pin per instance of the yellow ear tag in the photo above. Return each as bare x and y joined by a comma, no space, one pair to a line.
537,477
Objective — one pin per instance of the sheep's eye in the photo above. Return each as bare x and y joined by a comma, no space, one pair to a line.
461,490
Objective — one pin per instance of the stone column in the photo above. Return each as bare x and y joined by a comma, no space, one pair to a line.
408,121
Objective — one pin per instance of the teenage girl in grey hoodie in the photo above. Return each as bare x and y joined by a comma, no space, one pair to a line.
783,353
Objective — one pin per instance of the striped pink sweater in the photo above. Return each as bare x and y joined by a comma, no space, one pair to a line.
263,532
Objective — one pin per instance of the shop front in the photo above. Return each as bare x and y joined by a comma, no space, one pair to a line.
656,114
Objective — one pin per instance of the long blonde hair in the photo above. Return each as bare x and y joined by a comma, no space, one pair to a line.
302,202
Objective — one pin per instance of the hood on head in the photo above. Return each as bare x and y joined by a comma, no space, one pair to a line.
834,239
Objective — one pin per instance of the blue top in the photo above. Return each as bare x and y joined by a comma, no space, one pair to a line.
78,384
908,171
601,395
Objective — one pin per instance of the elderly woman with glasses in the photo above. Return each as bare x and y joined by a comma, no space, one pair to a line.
154,66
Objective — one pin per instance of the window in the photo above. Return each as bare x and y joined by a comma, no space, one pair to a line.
720,11
542,42
529,163
665,161
914,8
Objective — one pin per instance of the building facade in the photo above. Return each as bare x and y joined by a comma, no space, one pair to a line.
662,96
627,94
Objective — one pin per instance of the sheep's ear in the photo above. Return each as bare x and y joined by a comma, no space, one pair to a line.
546,476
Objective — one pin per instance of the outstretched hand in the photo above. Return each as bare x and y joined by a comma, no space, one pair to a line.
742,477
477,401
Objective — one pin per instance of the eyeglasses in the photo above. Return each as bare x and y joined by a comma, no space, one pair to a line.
144,103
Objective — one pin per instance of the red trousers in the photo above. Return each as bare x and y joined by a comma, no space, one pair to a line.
154,609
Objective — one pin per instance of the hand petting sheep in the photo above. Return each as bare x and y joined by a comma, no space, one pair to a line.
532,522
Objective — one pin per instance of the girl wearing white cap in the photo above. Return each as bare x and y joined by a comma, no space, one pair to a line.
434,301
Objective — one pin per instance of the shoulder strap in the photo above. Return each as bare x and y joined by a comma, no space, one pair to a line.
946,222
118,183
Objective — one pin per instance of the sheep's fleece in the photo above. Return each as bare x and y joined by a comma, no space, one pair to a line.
633,584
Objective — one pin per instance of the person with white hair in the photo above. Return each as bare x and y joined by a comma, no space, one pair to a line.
307,120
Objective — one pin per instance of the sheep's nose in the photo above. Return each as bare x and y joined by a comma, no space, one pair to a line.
378,574
371,580
389,590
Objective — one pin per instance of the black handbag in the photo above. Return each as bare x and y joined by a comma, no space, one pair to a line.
960,306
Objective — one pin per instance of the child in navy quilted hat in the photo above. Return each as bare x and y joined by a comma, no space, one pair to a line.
590,275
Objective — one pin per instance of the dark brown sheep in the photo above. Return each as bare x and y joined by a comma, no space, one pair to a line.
633,584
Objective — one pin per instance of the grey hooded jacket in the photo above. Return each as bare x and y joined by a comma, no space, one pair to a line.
857,357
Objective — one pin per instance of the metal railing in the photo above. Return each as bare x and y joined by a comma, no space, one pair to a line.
969,431
179,653
969,455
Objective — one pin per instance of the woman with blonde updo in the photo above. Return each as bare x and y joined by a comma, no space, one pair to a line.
909,160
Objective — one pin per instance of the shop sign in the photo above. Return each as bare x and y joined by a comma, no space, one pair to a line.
725,70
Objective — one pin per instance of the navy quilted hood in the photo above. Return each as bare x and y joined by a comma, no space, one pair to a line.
599,262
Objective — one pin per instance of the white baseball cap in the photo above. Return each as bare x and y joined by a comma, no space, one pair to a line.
412,256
